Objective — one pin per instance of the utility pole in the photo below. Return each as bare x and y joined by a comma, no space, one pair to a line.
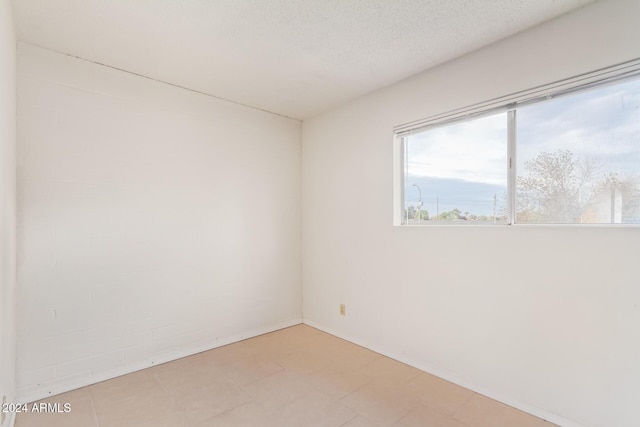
419,210
495,203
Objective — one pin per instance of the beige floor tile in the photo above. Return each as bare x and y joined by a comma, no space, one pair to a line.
81,412
313,409
202,403
297,376
188,362
222,356
438,393
240,362
379,405
277,390
329,345
304,362
423,416
336,382
248,415
247,369
180,381
271,347
360,421
298,332
389,372
124,387
354,358
155,408
283,342
481,411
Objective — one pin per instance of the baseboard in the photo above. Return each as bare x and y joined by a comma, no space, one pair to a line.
52,389
540,413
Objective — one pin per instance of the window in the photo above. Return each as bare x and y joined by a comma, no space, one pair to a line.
568,153
449,179
579,157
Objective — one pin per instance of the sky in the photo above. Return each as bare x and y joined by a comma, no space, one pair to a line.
465,164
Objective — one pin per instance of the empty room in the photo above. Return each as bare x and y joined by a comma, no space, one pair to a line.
320,213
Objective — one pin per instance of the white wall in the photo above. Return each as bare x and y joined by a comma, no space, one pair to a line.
7,206
153,222
543,318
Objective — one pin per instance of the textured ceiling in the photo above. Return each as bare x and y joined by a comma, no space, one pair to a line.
292,57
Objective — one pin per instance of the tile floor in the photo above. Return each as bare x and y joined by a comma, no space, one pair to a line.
297,376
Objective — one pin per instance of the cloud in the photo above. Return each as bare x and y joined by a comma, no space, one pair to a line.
474,151
604,122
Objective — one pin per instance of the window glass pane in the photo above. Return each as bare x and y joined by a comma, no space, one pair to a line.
457,173
579,157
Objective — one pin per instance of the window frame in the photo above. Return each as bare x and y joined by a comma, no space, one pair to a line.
509,104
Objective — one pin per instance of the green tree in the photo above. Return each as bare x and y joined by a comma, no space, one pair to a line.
450,215
413,213
556,187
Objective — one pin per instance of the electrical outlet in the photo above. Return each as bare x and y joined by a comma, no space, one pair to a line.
343,310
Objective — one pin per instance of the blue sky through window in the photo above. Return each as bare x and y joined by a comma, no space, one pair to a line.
464,165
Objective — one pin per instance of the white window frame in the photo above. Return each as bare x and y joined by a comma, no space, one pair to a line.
508,103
